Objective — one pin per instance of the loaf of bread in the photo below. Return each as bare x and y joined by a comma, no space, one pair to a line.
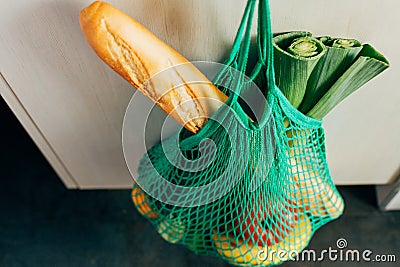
150,65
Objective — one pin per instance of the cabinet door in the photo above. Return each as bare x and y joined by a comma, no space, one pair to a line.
76,103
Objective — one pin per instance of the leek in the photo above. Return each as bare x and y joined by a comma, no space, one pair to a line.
296,55
339,56
368,64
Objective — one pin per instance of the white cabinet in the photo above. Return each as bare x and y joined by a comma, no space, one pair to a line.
73,105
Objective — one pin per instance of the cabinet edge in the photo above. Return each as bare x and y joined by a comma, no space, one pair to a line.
35,133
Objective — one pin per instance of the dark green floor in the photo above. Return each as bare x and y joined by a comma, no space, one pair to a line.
43,224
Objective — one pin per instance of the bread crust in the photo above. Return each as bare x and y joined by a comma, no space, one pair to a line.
138,55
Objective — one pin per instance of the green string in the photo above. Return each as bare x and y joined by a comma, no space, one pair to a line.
276,182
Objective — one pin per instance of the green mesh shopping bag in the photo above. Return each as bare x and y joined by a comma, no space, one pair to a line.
249,189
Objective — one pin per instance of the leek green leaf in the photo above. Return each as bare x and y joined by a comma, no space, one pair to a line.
368,64
339,56
295,56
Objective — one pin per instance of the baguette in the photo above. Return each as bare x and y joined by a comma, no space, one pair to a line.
149,65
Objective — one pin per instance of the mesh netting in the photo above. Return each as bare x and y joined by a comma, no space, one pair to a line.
242,188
